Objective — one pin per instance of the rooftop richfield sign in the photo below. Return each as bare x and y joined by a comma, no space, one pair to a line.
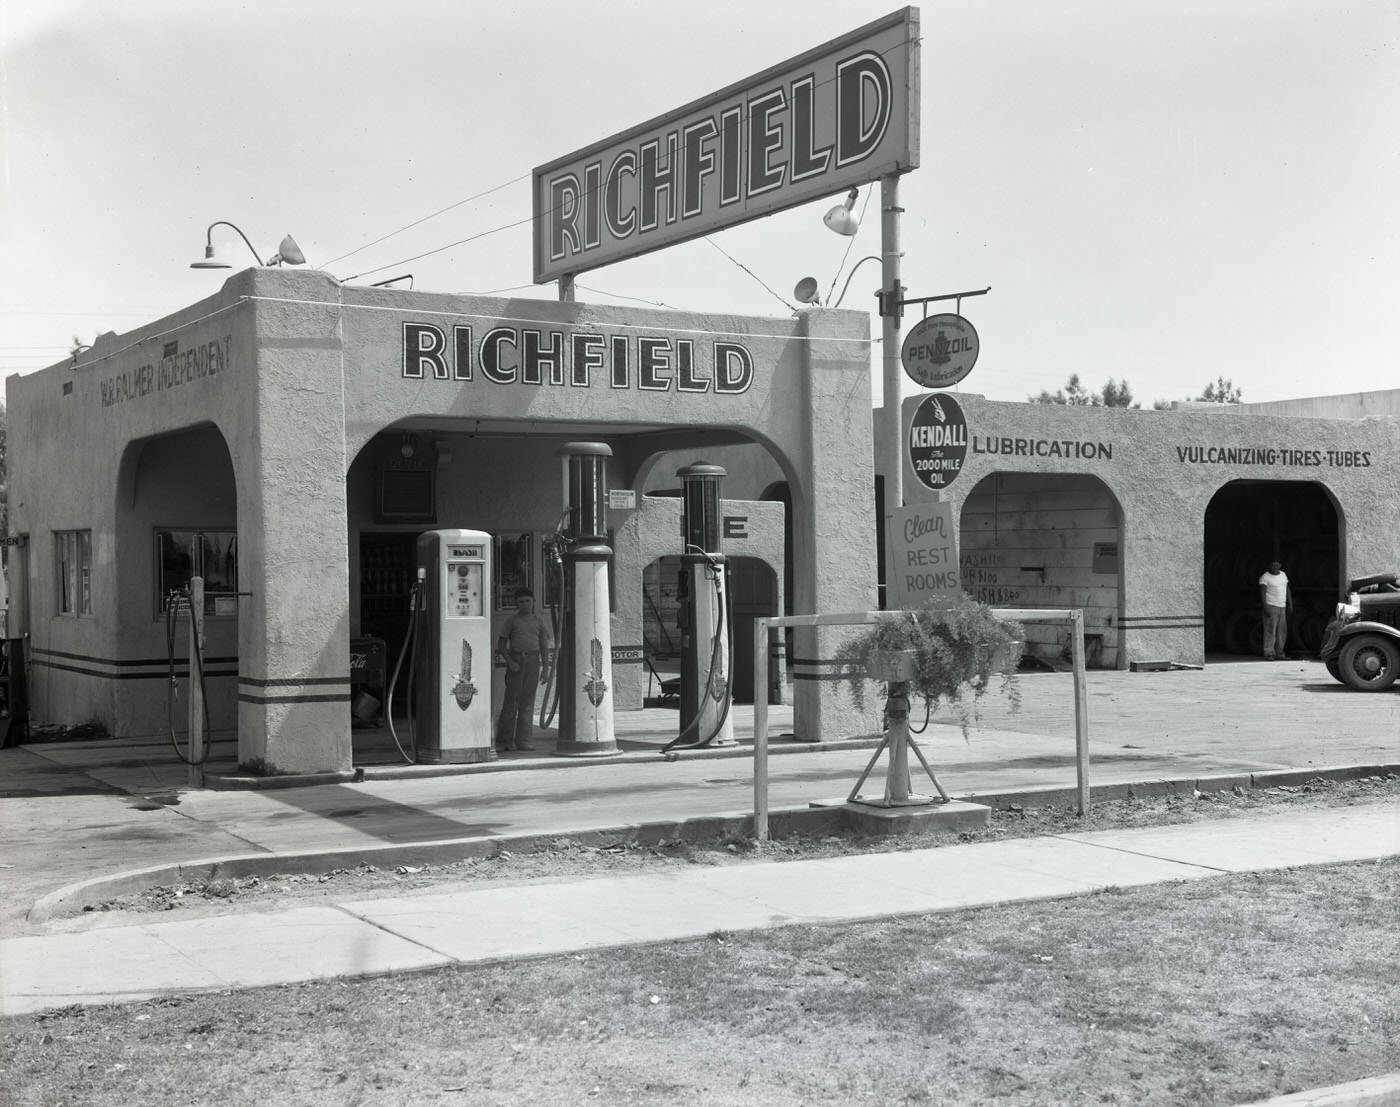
836,117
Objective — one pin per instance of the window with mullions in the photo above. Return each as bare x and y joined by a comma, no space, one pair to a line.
211,554
73,569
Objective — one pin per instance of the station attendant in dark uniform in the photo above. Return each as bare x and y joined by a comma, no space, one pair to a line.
527,645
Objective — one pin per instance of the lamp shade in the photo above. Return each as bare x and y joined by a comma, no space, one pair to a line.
210,260
288,252
841,218
806,290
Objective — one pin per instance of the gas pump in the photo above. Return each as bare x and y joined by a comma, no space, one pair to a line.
704,614
454,685
585,640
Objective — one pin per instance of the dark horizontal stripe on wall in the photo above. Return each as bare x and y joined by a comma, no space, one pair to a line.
293,682
1165,626
816,662
802,668
181,672
119,663
1191,620
245,697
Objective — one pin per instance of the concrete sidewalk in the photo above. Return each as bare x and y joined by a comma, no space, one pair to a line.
94,818
491,923
81,822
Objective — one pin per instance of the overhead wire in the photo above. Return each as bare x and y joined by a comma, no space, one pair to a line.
496,230
662,162
850,244
424,219
751,273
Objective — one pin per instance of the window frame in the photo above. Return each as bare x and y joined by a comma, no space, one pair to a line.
73,572
198,550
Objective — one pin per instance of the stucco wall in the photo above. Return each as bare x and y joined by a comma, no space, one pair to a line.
1163,468
297,374
86,452
1353,405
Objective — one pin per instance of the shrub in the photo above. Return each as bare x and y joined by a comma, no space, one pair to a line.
958,647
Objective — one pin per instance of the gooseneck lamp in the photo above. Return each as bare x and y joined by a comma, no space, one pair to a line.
288,252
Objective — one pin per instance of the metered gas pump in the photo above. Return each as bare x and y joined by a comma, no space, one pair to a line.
584,669
704,614
453,688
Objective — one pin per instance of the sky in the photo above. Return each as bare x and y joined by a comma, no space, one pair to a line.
1158,191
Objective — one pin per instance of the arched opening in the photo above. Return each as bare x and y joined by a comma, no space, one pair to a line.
1048,540
177,518
1247,525
753,594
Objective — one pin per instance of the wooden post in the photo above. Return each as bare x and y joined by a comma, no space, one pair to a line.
197,707
1081,709
760,729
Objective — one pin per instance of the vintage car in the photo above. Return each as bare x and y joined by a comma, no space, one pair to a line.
1361,646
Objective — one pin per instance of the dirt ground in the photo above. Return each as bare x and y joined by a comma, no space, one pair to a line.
565,859
1211,992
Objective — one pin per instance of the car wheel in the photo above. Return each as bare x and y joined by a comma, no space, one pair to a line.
1369,663
1333,668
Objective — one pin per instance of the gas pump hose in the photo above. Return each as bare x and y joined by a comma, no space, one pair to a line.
684,740
549,702
172,618
415,606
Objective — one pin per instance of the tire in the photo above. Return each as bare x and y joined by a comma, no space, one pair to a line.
1369,662
1333,668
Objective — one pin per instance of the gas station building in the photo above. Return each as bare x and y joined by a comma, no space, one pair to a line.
289,438
1158,523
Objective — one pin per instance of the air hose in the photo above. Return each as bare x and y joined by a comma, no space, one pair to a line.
409,649
549,702
724,629
172,619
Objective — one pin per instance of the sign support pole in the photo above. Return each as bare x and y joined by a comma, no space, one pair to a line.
892,435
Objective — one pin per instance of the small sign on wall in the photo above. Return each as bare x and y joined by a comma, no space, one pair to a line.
924,555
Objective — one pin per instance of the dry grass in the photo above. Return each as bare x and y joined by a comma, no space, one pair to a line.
1219,991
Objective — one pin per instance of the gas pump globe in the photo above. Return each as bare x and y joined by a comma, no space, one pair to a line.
705,688
585,645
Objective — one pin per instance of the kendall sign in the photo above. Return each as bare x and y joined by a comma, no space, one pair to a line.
839,116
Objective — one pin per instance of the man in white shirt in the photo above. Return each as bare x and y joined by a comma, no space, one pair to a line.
1278,604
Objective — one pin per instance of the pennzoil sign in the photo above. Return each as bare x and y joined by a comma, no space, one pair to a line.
940,351
835,117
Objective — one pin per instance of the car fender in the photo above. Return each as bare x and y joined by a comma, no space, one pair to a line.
1364,627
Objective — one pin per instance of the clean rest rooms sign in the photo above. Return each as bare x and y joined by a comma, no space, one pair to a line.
838,116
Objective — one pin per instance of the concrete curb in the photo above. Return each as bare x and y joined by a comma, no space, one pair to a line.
816,819
778,747
1378,1091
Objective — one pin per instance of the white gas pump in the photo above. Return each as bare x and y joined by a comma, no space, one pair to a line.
585,642
454,683
704,614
